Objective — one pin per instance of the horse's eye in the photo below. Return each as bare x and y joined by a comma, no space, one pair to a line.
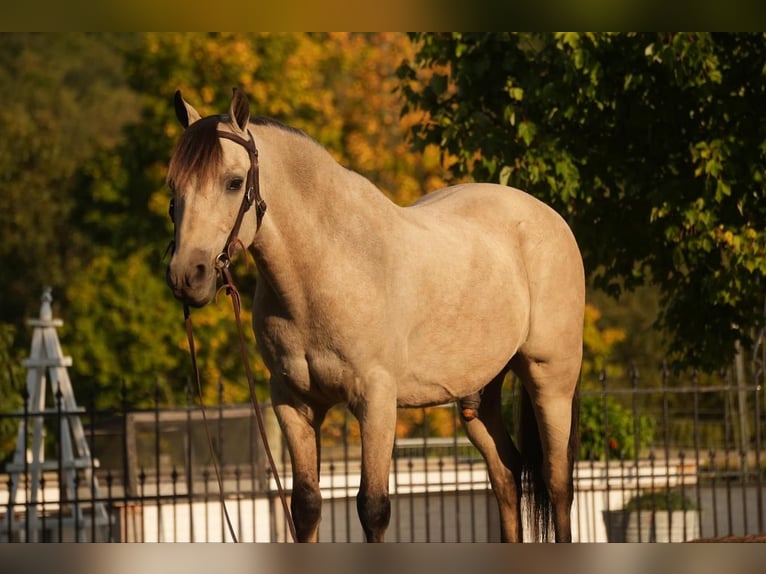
234,184
172,210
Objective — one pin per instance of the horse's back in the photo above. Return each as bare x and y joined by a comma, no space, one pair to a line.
504,210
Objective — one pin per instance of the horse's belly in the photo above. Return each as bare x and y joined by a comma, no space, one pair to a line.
465,338
431,393
441,373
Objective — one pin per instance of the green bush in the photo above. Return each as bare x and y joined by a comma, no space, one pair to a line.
665,499
608,429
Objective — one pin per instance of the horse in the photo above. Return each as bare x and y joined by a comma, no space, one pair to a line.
379,306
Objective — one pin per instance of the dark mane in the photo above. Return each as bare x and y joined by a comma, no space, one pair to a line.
198,151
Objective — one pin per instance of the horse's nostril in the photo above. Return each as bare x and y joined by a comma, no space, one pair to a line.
200,273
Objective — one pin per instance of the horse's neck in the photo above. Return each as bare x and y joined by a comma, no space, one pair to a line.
321,218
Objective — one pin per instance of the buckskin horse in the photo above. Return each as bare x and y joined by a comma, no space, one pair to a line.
364,302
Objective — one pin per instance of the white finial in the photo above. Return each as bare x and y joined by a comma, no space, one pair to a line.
45,309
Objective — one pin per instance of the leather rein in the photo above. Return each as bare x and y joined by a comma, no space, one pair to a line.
223,260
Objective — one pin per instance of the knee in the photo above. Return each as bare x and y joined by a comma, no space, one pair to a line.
374,514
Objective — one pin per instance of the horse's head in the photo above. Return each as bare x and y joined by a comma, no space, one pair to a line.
212,174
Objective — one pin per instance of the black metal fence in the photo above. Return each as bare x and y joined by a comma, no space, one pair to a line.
663,458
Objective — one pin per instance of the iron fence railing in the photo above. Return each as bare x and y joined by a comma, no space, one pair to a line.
687,444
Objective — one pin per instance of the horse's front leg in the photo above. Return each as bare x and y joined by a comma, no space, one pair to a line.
300,425
376,414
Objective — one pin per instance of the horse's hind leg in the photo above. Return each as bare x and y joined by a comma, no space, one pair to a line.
300,426
551,388
485,428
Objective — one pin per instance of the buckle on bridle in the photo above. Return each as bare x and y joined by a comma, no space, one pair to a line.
222,261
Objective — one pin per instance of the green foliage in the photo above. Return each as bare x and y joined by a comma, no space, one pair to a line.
645,142
609,430
125,327
11,382
666,499
632,315
64,101
599,343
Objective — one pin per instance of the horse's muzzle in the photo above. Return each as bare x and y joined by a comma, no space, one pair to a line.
193,284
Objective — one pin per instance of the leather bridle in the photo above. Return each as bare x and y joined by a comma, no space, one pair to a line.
252,195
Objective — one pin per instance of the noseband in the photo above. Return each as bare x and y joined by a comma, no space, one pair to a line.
252,194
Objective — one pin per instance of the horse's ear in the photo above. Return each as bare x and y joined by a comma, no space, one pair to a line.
239,110
185,113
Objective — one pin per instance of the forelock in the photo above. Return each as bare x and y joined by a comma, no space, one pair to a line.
197,153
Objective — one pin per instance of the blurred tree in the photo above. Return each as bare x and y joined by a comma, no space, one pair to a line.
64,100
648,144
634,313
599,343
11,388
122,328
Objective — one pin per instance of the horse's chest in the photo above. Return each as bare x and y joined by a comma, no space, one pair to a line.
312,370
322,375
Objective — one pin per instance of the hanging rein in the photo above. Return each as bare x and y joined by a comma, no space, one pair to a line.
222,264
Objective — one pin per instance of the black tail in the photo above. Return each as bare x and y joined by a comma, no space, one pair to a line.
537,502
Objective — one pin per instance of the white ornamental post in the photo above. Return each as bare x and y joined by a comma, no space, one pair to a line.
47,363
